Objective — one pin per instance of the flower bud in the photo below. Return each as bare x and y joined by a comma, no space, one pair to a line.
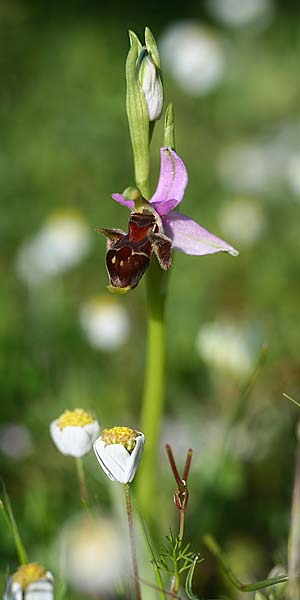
119,451
151,83
30,582
74,432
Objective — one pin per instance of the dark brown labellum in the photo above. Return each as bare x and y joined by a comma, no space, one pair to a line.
129,254
129,257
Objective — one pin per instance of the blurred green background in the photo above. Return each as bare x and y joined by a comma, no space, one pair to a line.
64,149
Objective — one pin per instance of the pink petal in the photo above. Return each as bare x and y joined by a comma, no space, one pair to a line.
163,208
119,198
190,238
173,177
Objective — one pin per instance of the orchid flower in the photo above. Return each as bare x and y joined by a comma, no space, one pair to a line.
155,226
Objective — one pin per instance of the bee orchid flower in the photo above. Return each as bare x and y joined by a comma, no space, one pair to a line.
155,226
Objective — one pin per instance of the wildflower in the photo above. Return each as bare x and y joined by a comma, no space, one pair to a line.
194,55
243,219
119,451
84,545
30,581
236,14
59,245
229,347
155,227
15,441
105,323
74,432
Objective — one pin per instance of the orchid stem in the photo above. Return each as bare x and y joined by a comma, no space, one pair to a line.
132,542
84,496
154,388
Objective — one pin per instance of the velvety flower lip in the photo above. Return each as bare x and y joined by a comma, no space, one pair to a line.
186,234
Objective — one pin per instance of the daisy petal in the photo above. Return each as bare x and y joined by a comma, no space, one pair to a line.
173,177
190,238
122,200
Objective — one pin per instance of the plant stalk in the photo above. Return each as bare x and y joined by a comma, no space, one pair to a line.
213,546
84,496
293,591
154,388
132,542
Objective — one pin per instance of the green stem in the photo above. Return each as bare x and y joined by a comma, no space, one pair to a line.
154,388
152,556
84,496
213,546
8,514
181,525
132,542
293,591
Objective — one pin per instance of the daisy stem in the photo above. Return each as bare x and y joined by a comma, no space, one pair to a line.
84,496
132,542
293,591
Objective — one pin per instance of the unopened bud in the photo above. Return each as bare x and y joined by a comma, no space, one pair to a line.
151,83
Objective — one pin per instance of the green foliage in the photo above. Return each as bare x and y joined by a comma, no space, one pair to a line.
64,144
176,558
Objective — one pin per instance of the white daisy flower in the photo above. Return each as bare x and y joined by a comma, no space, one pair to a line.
30,582
119,451
105,323
74,432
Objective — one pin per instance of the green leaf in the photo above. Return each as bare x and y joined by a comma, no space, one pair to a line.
189,580
7,512
152,556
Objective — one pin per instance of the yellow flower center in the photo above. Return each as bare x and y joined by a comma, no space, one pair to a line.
74,418
27,574
120,435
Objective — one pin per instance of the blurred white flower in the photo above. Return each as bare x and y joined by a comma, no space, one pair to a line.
194,56
119,451
242,13
246,167
58,246
265,164
30,582
74,432
242,220
228,347
105,323
293,174
15,441
93,555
